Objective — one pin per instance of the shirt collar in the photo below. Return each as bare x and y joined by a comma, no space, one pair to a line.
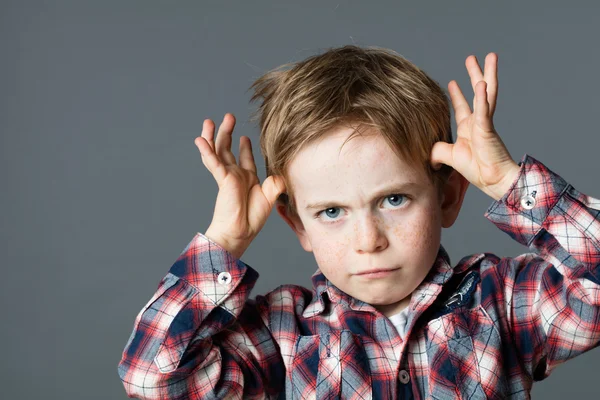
325,292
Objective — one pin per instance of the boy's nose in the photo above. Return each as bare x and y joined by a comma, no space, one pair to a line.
369,235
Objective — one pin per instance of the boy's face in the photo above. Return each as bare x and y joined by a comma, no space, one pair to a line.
374,211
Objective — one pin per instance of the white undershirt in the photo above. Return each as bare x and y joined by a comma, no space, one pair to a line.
399,320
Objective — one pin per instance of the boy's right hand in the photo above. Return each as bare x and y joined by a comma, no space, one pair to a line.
242,206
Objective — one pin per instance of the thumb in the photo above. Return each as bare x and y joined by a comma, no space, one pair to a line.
441,153
272,187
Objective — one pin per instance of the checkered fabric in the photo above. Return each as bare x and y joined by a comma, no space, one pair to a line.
485,328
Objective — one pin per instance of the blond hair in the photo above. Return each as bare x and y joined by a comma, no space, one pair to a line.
350,86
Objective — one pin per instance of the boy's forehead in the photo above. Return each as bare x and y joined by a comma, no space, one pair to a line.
333,164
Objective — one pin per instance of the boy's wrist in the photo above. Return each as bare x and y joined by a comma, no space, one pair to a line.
510,177
235,248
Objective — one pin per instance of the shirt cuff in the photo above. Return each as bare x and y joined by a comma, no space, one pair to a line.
213,271
522,210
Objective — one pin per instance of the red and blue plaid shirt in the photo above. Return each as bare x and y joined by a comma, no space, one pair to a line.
486,328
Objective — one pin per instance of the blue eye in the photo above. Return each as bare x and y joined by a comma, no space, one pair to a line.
395,199
331,212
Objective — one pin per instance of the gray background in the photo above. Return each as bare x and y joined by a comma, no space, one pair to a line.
102,186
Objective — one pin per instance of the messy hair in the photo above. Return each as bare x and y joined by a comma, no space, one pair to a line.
356,87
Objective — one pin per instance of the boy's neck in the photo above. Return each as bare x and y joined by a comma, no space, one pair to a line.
394,308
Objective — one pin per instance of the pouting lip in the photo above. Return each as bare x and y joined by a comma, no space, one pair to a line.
371,271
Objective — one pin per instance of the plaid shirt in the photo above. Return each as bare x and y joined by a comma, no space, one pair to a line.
486,328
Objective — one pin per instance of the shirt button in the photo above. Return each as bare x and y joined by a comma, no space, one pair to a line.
404,376
224,278
528,202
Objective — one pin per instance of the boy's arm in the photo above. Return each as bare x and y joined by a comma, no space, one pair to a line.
552,299
199,337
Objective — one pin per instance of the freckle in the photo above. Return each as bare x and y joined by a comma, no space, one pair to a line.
400,230
339,255
409,234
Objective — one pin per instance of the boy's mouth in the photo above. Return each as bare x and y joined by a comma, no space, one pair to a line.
377,272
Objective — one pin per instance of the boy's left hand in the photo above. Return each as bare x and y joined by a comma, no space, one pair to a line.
478,153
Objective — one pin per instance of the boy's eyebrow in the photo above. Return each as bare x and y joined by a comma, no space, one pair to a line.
397,188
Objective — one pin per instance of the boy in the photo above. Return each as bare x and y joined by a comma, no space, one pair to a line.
361,165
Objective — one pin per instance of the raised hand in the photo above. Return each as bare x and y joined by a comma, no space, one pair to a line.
243,205
478,153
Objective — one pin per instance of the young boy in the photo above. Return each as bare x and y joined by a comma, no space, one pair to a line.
362,166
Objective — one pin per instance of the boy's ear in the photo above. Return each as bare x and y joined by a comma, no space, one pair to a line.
293,220
453,192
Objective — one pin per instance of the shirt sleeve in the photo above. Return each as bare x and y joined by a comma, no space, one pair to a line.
199,336
551,296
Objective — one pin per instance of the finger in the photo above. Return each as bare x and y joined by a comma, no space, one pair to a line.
210,159
474,70
246,157
461,107
482,110
208,132
272,187
223,141
491,78
200,147
441,153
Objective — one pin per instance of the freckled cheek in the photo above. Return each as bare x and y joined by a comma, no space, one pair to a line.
416,234
330,254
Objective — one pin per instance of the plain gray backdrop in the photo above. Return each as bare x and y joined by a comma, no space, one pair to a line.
103,187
